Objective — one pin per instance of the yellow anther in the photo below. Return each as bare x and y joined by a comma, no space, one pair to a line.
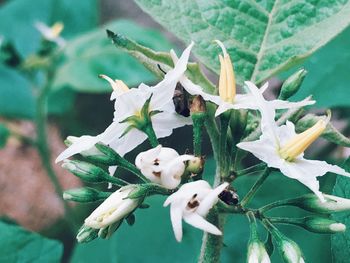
57,28
117,85
227,83
297,145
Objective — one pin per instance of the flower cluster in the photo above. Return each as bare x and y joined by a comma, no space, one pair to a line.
148,112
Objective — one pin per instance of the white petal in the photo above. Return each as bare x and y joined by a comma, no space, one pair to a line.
165,122
82,143
163,92
176,220
210,200
282,104
199,222
264,87
223,107
147,157
286,132
128,142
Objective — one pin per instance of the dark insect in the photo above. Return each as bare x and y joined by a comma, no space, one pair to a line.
229,197
180,99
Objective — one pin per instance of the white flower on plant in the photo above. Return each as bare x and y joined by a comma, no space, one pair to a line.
280,147
129,102
257,253
114,209
51,33
192,203
163,165
228,99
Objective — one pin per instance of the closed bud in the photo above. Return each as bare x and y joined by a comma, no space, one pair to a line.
86,234
292,84
89,172
85,195
198,105
312,203
290,251
195,165
322,225
257,253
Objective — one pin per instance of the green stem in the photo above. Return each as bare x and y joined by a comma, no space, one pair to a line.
43,146
212,244
198,122
212,130
285,220
225,120
279,203
149,131
252,169
255,187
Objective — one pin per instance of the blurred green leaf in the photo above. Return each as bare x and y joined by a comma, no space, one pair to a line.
331,133
4,134
18,18
92,54
152,237
328,79
16,97
263,37
341,242
20,245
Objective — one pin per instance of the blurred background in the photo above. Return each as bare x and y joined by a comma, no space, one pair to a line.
78,103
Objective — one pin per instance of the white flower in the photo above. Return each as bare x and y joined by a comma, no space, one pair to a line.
280,147
192,203
115,208
130,102
163,165
228,99
51,33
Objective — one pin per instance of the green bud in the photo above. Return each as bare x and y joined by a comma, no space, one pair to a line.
322,225
86,234
312,203
85,195
90,173
99,153
292,84
195,165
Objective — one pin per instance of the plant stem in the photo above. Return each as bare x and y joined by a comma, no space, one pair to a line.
212,130
151,135
255,187
43,146
198,123
225,120
252,169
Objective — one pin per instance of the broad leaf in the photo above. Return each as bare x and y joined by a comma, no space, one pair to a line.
263,37
92,54
18,18
19,245
341,242
328,79
331,133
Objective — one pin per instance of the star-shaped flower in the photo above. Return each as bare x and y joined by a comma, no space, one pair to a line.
51,33
129,102
228,99
280,147
163,165
192,203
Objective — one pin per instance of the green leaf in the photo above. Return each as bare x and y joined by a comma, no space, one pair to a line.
341,242
331,133
4,134
16,97
329,77
22,31
20,245
92,54
263,38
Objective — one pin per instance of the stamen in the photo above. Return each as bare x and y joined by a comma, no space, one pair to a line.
117,85
297,145
227,84
57,28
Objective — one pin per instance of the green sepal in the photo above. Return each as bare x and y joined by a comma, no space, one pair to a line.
130,219
85,195
144,190
86,234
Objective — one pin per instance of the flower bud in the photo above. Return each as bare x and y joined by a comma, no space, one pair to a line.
115,208
107,232
89,172
257,253
86,234
85,195
322,225
290,251
312,203
195,165
292,84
